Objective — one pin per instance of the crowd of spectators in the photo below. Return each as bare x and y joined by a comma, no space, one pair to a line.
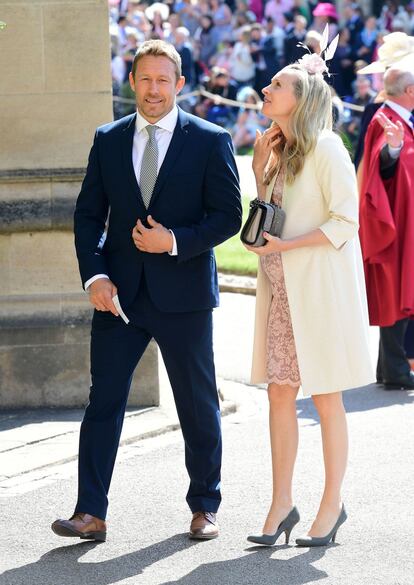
232,48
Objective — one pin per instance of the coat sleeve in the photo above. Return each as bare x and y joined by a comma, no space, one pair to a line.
221,201
90,217
337,180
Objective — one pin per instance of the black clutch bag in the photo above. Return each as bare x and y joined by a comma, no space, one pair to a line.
263,217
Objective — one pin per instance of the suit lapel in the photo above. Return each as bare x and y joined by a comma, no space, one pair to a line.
174,149
127,138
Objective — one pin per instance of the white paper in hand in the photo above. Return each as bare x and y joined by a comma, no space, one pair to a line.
119,309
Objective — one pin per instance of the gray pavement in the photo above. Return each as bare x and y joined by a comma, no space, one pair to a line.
148,517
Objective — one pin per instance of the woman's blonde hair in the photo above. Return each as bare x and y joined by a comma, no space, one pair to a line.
313,113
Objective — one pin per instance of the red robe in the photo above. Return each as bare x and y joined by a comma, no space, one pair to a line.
387,227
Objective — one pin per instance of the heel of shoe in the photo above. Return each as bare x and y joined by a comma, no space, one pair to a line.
99,536
287,535
334,536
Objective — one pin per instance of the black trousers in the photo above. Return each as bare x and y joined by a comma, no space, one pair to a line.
392,359
186,344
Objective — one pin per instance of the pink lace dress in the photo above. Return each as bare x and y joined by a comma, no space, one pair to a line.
282,363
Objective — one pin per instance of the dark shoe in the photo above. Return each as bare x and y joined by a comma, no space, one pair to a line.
404,383
81,525
285,526
204,526
323,540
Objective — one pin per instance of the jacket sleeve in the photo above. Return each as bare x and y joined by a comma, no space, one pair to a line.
221,201
337,180
90,217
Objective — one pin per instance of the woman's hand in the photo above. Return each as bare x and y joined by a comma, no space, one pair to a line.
263,147
273,245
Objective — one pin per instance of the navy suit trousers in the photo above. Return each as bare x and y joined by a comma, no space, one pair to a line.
185,341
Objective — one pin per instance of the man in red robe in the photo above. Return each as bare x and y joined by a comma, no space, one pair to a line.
387,223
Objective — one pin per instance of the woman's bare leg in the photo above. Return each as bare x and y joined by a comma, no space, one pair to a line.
284,445
335,454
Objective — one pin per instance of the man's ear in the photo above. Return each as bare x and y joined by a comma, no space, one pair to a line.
131,82
180,84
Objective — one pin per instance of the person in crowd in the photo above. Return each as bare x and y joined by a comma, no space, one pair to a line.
174,22
222,18
342,65
292,52
354,22
313,41
244,6
206,39
279,34
189,12
325,13
185,50
164,280
276,8
256,6
387,222
122,32
248,120
301,7
363,95
264,54
311,325
157,14
220,84
367,40
240,22
242,64
222,59
129,53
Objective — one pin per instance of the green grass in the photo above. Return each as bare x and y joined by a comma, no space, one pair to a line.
232,256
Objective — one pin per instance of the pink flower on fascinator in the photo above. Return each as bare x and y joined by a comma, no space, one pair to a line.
313,63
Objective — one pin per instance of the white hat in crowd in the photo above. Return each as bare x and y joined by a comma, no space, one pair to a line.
397,47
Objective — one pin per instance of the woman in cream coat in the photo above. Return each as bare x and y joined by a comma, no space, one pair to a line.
323,286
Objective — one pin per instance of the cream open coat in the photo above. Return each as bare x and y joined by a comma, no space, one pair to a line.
325,284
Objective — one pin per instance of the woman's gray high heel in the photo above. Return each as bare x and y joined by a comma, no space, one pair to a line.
323,540
285,526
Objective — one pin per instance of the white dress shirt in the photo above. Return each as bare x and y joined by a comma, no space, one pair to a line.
163,136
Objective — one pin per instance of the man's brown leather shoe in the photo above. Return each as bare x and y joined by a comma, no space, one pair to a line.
81,525
204,526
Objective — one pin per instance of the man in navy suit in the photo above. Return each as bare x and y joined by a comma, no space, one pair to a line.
160,191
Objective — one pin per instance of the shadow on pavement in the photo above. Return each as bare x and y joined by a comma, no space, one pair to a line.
61,565
369,397
259,568
11,419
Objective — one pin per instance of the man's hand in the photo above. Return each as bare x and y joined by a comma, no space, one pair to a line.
156,239
394,133
100,294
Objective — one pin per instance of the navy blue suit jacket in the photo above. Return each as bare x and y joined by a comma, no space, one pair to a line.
196,195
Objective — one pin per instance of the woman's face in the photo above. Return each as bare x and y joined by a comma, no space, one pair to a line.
279,97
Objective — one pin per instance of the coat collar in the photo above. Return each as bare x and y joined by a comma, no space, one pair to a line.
177,142
174,149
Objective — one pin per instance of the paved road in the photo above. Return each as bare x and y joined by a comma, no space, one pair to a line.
148,518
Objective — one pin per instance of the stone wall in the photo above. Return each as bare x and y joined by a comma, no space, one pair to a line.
55,88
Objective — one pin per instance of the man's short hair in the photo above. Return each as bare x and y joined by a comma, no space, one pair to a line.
397,78
158,48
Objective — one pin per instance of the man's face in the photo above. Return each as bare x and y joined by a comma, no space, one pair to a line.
155,86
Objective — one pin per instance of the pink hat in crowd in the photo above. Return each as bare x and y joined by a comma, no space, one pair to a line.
325,9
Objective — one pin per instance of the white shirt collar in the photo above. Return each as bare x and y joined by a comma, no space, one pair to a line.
400,110
168,122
